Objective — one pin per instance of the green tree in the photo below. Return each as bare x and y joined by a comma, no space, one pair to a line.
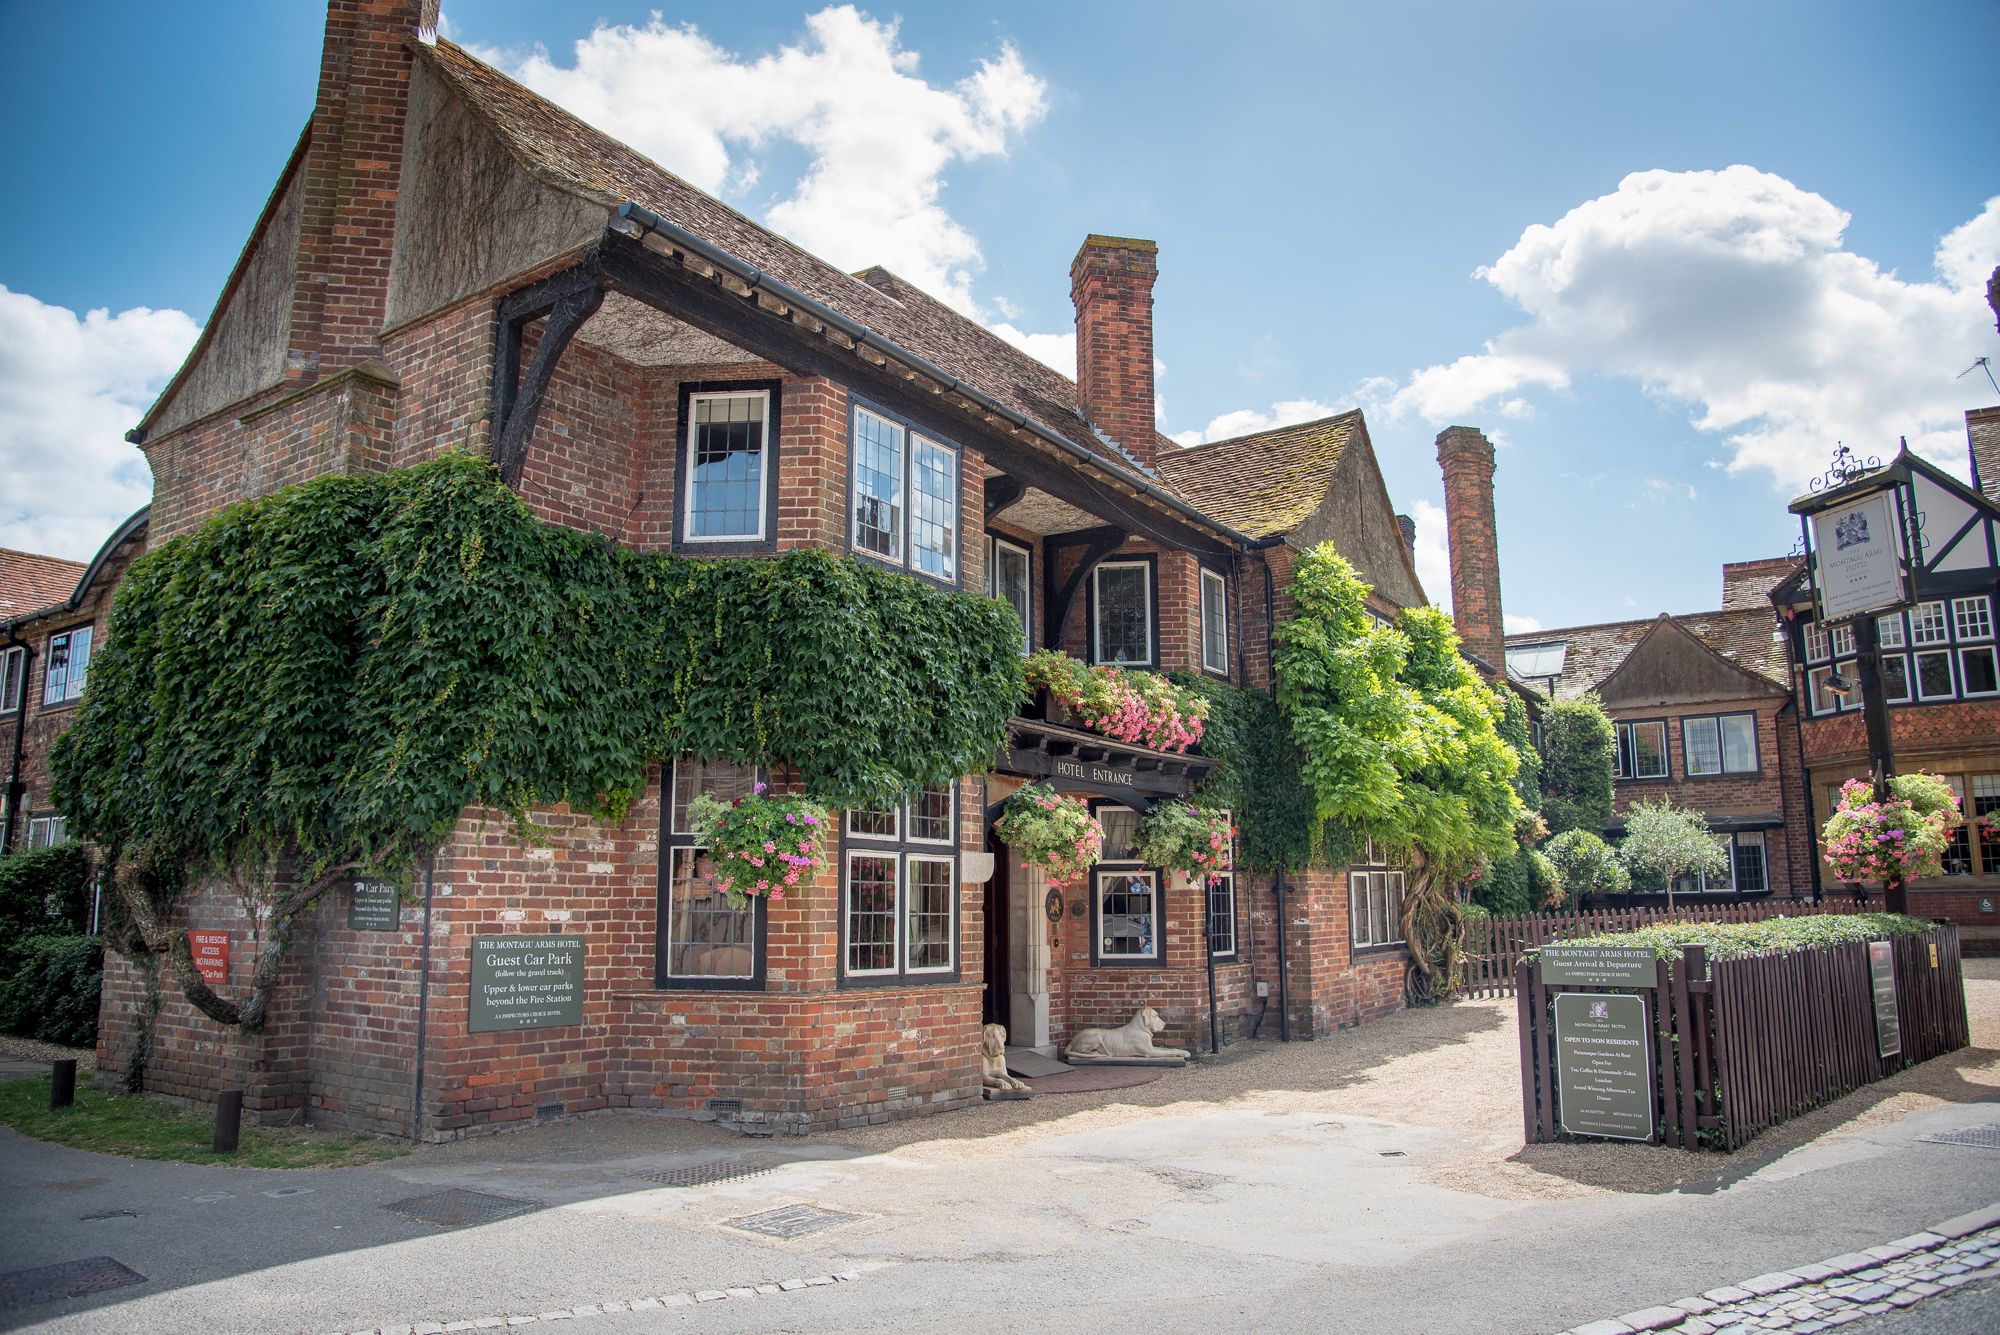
1579,754
1670,842
1515,732
1587,865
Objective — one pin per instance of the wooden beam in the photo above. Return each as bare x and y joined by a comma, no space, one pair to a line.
510,440
1002,492
1097,543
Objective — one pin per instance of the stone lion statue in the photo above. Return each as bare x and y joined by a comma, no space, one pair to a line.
993,1061
1134,1038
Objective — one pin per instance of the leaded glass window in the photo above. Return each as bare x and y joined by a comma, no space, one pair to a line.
727,459
1122,624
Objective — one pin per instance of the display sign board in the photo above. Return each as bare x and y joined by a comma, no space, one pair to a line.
374,907
211,956
1083,776
1604,1065
526,982
1860,560
1597,966
1882,980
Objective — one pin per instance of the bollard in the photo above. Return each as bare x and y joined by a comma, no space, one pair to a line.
228,1120
62,1085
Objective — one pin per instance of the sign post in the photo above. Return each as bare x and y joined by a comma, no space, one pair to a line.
1604,1065
1882,982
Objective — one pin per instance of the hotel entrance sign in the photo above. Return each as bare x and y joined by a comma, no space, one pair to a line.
1860,560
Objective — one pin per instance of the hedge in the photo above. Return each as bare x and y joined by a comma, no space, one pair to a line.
1735,940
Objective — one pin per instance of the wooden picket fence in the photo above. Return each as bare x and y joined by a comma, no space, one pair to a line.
1741,1045
1494,946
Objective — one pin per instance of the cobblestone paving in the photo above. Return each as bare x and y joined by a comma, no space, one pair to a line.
1834,1292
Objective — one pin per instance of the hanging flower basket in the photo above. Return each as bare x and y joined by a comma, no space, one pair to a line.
1895,840
1179,836
761,845
1052,831
1142,708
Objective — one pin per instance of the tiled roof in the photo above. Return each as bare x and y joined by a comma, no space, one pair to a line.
30,581
569,155
1264,484
1744,637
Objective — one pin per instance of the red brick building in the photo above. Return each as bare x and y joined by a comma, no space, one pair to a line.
450,261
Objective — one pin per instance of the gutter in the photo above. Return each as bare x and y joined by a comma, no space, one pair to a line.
636,221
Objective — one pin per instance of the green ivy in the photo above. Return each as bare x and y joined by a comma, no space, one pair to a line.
1579,752
334,673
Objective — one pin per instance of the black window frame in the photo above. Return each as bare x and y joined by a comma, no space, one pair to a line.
902,847
13,660
1721,748
1666,750
684,482
1151,562
911,428
1203,573
662,942
1127,866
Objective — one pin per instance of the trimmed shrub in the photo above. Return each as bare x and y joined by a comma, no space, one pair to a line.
50,994
1735,940
1587,865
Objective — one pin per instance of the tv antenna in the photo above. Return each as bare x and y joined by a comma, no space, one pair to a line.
1981,364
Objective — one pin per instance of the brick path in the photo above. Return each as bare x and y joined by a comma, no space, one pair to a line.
1836,1291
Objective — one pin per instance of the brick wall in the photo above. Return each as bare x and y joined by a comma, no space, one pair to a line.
1466,457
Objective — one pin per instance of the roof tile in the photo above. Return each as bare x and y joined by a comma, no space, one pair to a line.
1266,483
30,581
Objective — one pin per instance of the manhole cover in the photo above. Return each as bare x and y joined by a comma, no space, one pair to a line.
1984,1137
71,1279
720,1170
455,1207
791,1221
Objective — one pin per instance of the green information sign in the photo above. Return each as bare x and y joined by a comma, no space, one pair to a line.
1882,981
526,982
1597,966
374,907
1604,1065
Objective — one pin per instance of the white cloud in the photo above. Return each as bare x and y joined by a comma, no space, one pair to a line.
1433,552
1520,625
1732,292
1055,350
69,390
880,136
1243,421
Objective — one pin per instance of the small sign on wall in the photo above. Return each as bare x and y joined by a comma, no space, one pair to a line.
1882,982
211,956
374,907
526,982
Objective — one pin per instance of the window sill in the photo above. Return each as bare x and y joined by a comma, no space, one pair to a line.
902,982
1371,952
1096,963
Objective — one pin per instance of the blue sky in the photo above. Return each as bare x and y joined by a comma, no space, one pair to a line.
1665,254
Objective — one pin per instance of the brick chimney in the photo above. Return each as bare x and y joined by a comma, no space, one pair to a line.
1749,583
1408,528
1466,457
1982,434
353,171
1111,285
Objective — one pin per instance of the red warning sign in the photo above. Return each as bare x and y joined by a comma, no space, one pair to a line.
211,956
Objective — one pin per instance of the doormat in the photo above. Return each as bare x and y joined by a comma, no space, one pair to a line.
1089,1079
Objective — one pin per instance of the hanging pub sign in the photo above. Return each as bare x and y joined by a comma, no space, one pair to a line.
1859,557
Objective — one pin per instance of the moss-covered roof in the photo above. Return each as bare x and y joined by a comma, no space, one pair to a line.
1264,484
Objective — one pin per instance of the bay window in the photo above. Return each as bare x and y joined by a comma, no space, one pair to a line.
899,891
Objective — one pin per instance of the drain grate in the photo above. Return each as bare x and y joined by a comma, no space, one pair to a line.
456,1207
1982,1137
71,1279
792,1221
718,1170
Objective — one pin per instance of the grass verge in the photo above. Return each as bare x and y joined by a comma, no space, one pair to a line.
136,1127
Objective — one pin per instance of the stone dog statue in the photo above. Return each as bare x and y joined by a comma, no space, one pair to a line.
1132,1039
993,1061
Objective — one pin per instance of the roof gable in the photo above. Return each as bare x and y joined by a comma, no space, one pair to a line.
1670,665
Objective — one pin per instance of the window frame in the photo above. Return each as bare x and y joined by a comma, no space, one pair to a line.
760,907
1721,746
13,678
1983,607
1817,644
771,391
1208,917
46,821
1666,751
68,633
1943,651
1389,876
905,559
1098,874
1887,625
1909,690
1150,565
1920,636
1992,653
1737,844
1203,576
994,542
901,850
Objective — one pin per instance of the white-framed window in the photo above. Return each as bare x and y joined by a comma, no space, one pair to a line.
1978,670
1375,906
899,889
1843,640
905,489
47,831
1818,650
1220,897
1010,578
1934,677
1642,750
703,942
1889,631
1895,679
1928,624
1121,623
13,673
1214,623
66,665
728,466
1973,618
1720,744
1128,915
1826,700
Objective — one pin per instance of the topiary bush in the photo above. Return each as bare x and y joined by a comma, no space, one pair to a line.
1587,865
1579,759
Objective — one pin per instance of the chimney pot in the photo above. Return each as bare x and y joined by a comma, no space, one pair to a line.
1408,528
1111,285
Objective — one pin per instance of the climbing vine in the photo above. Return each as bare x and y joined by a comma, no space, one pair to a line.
315,685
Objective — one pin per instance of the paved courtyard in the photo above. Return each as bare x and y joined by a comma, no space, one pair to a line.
1371,1182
